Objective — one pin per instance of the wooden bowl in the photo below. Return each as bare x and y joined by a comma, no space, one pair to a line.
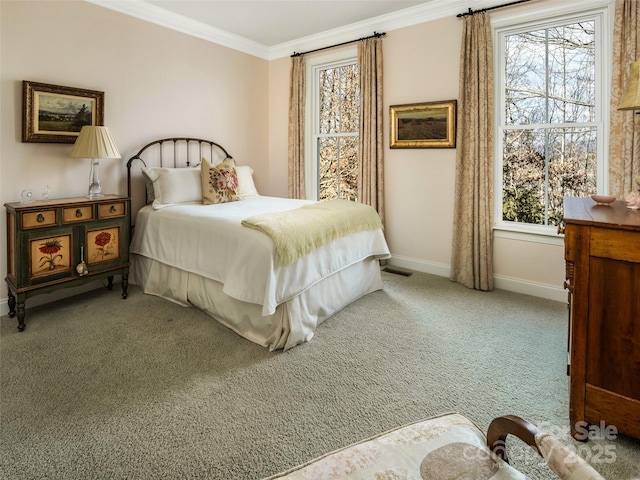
603,199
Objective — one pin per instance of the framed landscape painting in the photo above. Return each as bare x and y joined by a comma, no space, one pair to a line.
423,125
55,114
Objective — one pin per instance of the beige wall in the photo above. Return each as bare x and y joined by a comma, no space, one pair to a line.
159,82
421,64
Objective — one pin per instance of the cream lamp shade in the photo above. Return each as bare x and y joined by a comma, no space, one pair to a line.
631,97
94,142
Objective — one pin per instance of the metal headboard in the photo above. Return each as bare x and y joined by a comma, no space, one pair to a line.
173,162
175,153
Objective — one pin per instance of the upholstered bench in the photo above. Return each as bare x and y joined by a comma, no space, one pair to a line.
441,448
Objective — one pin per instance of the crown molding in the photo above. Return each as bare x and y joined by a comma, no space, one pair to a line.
433,10
165,18
430,10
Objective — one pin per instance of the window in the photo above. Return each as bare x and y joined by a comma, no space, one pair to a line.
333,101
550,138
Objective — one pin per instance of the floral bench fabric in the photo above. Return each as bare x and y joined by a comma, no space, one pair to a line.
439,448
447,447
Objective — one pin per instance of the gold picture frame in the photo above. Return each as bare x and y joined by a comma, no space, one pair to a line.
423,125
55,114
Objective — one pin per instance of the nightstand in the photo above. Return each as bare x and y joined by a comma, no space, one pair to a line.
47,240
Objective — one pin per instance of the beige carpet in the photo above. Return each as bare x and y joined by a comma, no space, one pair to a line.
98,387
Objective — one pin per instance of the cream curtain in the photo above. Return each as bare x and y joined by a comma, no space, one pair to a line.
371,170
472,246
624,139
296,128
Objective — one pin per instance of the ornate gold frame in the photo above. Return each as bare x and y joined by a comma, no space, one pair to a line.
423,125
32,92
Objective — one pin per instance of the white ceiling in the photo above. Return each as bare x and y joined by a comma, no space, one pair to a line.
276,28
273,22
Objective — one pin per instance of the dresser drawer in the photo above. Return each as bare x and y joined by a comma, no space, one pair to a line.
40,218
111,210
615,244
77,214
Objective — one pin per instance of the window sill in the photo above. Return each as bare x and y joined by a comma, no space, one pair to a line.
548,237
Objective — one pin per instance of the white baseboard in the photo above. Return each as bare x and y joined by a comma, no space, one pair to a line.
550,292
439,269
60,294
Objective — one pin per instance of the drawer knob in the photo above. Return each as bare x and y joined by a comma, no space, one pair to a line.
40,218
112,209
78,213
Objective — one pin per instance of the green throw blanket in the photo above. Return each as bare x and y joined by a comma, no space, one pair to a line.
299,231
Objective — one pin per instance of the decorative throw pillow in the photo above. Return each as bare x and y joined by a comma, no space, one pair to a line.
219,182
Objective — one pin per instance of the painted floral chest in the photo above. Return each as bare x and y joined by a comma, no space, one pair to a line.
68,242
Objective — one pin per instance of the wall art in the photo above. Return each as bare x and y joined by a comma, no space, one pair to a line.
423,125
55,114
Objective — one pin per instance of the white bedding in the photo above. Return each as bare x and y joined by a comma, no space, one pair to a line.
294,322
209,240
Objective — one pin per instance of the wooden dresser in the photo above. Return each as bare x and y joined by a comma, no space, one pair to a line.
46,240
602,254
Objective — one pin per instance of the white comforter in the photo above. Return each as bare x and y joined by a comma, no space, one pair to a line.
210,241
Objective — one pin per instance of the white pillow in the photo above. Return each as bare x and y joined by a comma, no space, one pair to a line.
174,185
246,187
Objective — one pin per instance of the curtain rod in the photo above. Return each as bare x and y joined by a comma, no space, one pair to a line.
375,35
473,12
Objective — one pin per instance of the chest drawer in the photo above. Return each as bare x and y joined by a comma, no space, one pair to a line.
615,244
77,214
111,210
41,218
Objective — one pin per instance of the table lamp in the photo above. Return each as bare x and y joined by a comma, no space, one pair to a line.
95,143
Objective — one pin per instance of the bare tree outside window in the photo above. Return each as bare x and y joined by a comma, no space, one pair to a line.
337,139
549,130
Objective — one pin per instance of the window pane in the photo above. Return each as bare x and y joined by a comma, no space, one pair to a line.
350,104
523,176
328,166
339,100
572,73
541,166
525,78
572,167
349,168
338,168
550,75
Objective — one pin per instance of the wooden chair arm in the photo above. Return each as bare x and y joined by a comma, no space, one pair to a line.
500,427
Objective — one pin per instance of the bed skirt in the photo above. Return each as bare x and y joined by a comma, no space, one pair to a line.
293,322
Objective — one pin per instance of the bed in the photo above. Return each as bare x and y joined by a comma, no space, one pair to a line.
202,236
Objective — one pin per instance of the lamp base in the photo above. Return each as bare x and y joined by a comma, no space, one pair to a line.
95,187
94,191
94,195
